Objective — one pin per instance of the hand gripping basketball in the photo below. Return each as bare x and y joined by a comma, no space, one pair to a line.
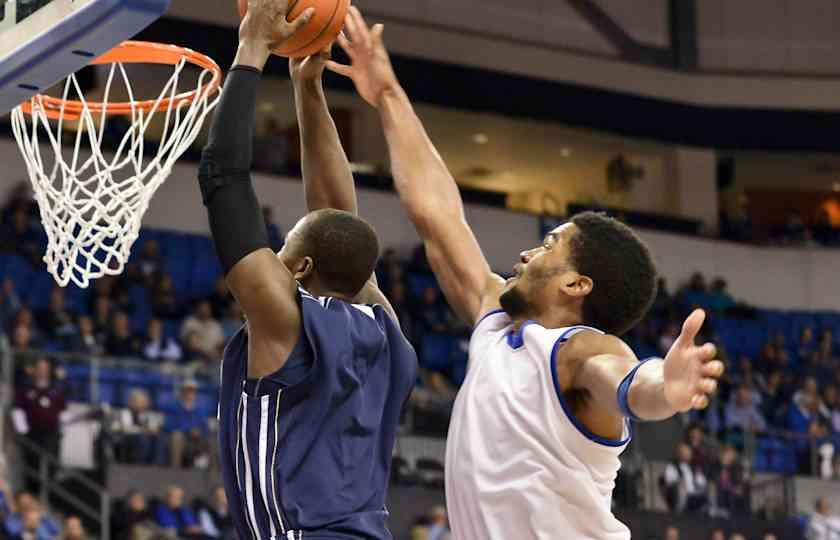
318,30
266,22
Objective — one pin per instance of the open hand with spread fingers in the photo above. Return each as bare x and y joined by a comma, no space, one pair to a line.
370,66
691,372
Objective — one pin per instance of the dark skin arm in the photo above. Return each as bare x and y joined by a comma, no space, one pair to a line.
327,178
596,364
427,190
263,286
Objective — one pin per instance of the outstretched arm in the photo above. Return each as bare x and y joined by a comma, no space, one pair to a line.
327,178
262,285
654,390
427,190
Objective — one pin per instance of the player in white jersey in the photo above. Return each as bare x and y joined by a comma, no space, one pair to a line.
545,410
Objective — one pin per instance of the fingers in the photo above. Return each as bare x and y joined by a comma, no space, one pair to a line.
699,402
713,369
304,18
691,327
345,45
708,352
361,27
341,69
376,33
707,386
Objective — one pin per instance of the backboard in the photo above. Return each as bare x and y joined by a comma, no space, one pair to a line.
43,41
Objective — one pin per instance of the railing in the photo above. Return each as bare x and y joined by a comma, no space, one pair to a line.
50,487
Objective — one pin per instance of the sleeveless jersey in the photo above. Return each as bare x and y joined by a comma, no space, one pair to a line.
306,452
518,463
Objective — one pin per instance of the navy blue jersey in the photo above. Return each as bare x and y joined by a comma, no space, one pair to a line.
306,452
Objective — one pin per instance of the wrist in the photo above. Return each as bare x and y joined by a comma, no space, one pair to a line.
391,96
252,53
309,87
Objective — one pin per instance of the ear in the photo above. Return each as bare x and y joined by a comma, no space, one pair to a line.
577,285
303,268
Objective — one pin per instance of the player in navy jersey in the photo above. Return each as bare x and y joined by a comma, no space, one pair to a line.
313,384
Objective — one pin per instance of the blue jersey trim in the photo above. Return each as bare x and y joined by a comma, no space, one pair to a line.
580,427
516,338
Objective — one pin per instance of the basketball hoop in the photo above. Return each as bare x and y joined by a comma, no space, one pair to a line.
92,207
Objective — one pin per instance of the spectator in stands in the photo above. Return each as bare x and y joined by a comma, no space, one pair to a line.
19,197
214,516
431,313
808,391
275,235
210,337
40,404
21,339
672,533
164,299
140,442
718,534
737,536
102,311
158,347
684,486
175,517
720,301
187,430
86,341
704,449
826,347
693,294
399,301
438,528
24,318
803,419
771,358
56,320
73,529
28,521
662,303
742,412
221,299
773,397
831,411
132,519
794,231
732,483
121,342
21,236
823,525
195,358
9,303
667,337
807,344
769,536
150,262
232,320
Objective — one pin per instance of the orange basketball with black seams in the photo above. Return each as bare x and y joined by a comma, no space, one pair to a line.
319,32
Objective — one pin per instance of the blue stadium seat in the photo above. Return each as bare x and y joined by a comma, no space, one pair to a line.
436,352
417,282
38,295
19,271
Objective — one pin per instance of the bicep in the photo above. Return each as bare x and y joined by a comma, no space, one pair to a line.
460,267
603,363
267,293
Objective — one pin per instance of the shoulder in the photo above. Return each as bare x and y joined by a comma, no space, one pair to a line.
586,344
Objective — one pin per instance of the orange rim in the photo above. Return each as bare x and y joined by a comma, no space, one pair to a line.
135,52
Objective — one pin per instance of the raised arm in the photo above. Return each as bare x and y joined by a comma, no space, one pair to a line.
262,285
327,178
611,374
427,190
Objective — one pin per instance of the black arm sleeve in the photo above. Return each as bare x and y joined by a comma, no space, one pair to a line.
236,219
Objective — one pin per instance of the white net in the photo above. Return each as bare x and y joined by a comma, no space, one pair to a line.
92,205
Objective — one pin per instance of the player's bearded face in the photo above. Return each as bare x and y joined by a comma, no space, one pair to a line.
529,289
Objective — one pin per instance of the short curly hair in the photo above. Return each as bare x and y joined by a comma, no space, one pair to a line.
621,268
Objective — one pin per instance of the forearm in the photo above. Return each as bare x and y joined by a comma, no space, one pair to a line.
646,397
233,210
426,188
327,178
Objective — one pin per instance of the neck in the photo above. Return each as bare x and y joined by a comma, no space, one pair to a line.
316,289
556,318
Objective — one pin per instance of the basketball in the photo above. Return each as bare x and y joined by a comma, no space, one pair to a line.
319,32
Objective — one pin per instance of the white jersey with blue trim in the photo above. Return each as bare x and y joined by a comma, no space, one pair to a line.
518,463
